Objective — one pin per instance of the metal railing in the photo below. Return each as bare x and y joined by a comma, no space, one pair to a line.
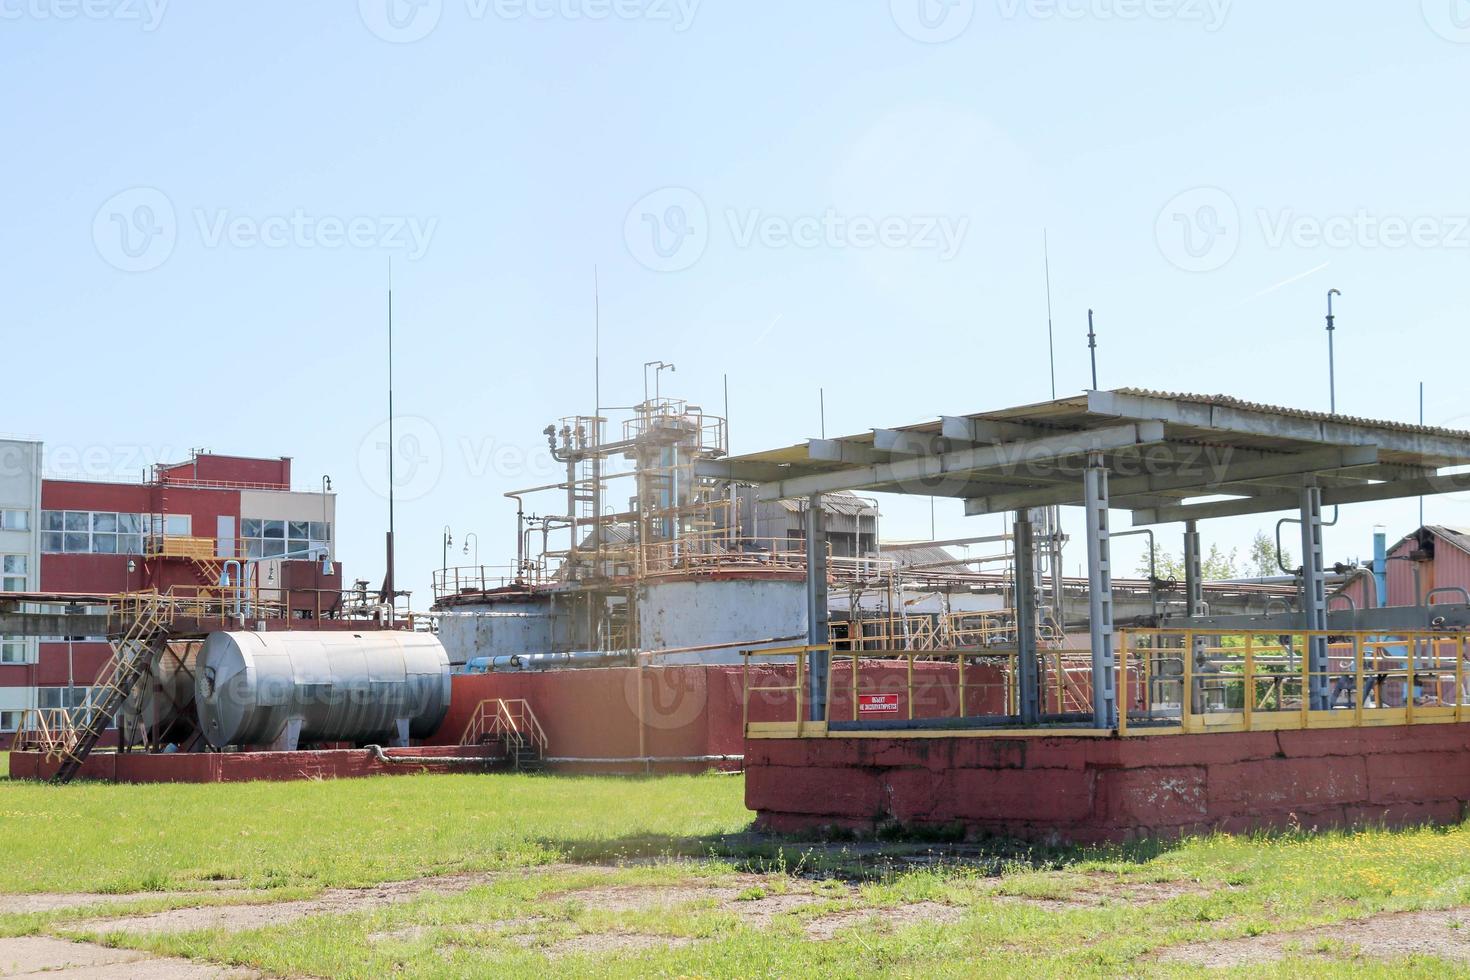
501,718
51,731
1169,681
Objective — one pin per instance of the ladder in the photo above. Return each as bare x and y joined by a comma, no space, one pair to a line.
131,655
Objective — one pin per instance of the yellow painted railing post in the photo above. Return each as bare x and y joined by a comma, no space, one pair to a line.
1248,696
1125,696
854,687
1412,649
1306,651
800,688
910,659
1460,677
745,692
1186,696
1358,681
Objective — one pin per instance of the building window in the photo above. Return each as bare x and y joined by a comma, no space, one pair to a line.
71,698
10,721
84,532
13,571
264,538
13,650
15,520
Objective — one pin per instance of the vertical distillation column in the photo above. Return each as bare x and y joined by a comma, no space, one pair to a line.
1027,684
817,631
1100,593
1194,598
1314,596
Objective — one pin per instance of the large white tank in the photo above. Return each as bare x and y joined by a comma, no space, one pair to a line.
281,689
680,613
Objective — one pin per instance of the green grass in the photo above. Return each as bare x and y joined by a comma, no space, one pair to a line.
1017,911
96,837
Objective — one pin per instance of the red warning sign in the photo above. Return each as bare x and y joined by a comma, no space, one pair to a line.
878,704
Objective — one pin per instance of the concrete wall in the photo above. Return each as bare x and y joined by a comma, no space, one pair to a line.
1086,790
680,613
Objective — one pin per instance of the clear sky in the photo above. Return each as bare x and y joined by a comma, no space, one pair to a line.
201,201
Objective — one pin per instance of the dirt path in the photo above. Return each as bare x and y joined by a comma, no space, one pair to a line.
1445,934
47,957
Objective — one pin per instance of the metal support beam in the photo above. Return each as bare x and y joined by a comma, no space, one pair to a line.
1100,598
1027,668
961,431
1443,483
1194,597
1314,597
1192,470
1010,458
842,451
817,630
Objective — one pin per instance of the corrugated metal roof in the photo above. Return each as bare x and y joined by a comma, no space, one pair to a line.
1300,413
846,504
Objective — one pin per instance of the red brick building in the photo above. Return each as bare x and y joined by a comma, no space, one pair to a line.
178,527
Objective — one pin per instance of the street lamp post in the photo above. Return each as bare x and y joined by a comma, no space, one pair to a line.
467,537
444,557
1331,367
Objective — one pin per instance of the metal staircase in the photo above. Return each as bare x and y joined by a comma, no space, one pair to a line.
513,725
131,654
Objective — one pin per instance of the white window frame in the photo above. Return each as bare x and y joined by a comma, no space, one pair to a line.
15,519
14,581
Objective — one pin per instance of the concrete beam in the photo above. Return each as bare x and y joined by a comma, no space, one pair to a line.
962,431
1289,501
901,443
841,451
51,624
739,471
1009,457
1201,474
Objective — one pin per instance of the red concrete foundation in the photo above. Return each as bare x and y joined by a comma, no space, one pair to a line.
240,767
1092,790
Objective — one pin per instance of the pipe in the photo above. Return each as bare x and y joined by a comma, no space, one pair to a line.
1459,590
1380,567
1153,572
645,759
458,760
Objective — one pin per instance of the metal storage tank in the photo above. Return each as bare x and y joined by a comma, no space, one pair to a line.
282,689
515,624
679,613
160,704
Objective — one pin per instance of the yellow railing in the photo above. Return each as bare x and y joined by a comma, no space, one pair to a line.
511,719
179,546
1167,682
48,730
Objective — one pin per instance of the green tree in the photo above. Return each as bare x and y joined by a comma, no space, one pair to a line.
1214,566
1263,555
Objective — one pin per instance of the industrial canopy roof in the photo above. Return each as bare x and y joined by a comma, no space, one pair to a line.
1162,452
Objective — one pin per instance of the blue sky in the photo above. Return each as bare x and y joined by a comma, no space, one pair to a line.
201,202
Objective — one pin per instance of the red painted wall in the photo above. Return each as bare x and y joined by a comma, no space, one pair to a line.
1088,789
263,473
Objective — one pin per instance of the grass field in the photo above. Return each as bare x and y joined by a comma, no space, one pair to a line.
624,877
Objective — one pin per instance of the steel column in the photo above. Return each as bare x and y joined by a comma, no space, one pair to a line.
1194,591
1100,593
1314,597
817,609
1027,673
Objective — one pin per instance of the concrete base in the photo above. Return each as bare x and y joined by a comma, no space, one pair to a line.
1091,790
240,767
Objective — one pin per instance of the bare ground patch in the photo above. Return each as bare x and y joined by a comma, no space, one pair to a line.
336,901
613,942
1093,890
886,919
61,901
56,957
756,899
1445,934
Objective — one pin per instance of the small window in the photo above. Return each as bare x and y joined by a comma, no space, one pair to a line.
13,564
299,529
15,520
13,650
177,525
9,721
51,542
275,529
251,527
51,520
130,523
104,522
77,543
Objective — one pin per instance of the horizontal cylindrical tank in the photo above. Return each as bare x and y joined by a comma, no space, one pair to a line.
320,686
